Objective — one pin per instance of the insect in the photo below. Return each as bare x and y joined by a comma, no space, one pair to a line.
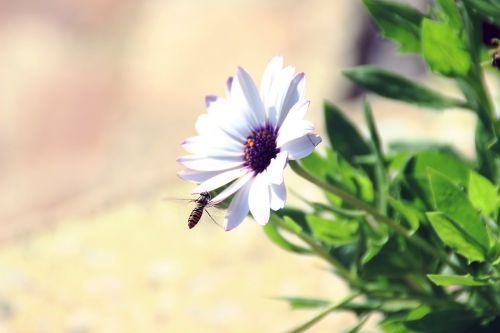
201,203
495,54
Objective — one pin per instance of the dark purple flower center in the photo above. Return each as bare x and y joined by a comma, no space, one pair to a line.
260,148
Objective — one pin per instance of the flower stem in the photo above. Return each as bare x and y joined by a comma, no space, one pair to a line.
412,238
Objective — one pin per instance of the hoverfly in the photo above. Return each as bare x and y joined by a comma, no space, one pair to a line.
201,202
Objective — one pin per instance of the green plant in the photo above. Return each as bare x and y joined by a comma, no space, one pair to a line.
414,230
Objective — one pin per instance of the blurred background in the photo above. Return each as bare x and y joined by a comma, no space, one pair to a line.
95,98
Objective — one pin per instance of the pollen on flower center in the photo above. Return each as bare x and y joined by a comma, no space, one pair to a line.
260,148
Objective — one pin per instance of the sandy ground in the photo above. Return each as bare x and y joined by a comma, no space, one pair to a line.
96,97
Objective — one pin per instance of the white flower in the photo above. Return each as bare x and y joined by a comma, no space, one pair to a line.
248,138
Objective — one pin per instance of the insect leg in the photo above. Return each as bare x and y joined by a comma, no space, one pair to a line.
206,211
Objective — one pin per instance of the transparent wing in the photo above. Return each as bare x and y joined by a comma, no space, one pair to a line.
213,214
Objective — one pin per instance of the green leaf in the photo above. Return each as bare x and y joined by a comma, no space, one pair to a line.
451,13
336,170
304,303
448,164
411,215
381,177
322,314
450,280
395,259
487,8
295,227
396,87
456,237
452,319
482,194
277,238
398,22
333,232
395,326
372,128
344,137
358,326
443,49
454,203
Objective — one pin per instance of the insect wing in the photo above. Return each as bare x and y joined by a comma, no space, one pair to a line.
213,214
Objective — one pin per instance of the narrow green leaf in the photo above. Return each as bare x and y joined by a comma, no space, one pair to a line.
409,213
358,326
322,314
398,22
304,303
395,326
395,259
452,319
487,8
396,87
482,194
456,237
450,280
451,13
295,227
344,137
275,236
333,232
335,170
454,203
443,49
367,110
381,177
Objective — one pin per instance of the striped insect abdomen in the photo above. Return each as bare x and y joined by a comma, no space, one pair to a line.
195,216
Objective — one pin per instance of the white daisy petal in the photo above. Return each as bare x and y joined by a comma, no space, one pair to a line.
204,163
226,119
298,110
217,146
270,73
301,147
292,97
238,208
278,196
275,169
196,176
277,93
258,199
292,130
205,126
246,94
219,180
232,188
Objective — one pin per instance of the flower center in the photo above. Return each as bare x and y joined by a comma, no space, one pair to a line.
260,148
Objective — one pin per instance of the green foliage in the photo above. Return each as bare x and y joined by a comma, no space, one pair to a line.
460,280
398,22
412,227
304,303
487,8
444,50
455,236
394,86
483,195
453,203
